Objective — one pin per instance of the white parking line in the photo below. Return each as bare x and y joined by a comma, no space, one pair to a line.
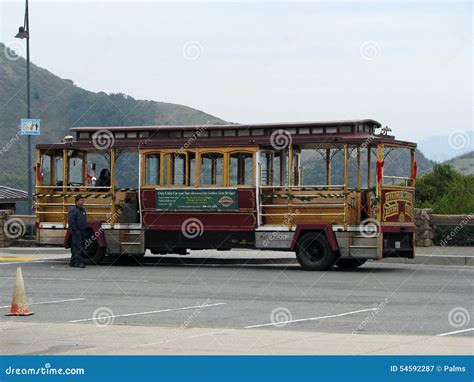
309,319
23,262
72,279
48,302
152,312
455,332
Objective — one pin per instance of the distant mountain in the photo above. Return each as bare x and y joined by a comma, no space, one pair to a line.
463,163
60,105
443,148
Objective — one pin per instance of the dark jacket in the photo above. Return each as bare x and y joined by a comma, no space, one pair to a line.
77,220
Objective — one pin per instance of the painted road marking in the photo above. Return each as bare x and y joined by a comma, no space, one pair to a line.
309,319
152,312
16,258
455,332
22,262
72,279
48,302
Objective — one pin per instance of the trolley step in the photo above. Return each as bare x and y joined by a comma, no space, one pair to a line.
363,251
131,248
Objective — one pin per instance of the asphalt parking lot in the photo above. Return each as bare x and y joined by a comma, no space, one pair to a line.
378,298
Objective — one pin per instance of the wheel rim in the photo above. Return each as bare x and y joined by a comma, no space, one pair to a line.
314,252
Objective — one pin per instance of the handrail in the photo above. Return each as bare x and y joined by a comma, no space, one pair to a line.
397,177
66,212
301,214
305,186
72,204
304,205
63,187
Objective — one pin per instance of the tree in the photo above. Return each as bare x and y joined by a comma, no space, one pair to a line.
445,191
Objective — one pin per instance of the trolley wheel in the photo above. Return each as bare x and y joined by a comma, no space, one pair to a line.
92,254
313,252
350,263
130,259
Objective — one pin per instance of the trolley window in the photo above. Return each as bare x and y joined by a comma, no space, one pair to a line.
212,169
152,169
241,169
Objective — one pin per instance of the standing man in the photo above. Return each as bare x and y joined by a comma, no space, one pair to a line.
77,220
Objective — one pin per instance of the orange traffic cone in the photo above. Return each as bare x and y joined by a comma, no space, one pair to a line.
19,306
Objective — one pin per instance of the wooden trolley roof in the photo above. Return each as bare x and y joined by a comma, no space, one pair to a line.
175,136
280,125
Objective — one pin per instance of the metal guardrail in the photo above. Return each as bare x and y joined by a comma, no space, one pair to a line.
439,219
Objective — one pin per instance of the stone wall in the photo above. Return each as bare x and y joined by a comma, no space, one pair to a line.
424,229
4,239
436,229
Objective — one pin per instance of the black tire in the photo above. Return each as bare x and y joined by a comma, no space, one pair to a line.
350,263
135,259
313,252
92,254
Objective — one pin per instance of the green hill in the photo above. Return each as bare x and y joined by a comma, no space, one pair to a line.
60,104
463,163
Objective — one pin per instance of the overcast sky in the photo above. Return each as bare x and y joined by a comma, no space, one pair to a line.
406,64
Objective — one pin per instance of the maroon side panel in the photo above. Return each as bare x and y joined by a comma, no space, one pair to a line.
67,239
211,221
247,198
396,229
148,200
311,227
245,219
98,234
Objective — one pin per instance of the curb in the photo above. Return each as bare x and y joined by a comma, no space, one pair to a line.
422,259
434,260
452,260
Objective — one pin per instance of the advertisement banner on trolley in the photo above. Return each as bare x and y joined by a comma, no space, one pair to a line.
197,199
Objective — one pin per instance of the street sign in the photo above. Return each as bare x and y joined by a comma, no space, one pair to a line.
30,126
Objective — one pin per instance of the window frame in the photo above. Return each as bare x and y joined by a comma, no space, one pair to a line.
198,152
253,169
